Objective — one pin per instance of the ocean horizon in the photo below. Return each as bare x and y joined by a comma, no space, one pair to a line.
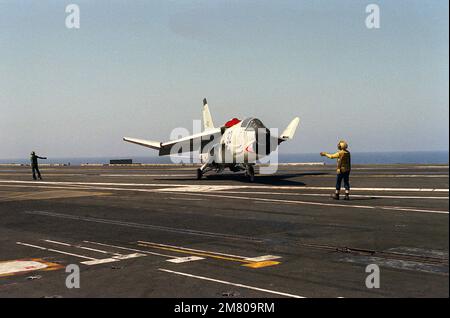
406,157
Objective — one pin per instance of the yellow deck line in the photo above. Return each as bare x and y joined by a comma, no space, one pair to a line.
196,253
261,264
247,263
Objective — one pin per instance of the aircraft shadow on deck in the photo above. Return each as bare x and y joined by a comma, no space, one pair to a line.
272,179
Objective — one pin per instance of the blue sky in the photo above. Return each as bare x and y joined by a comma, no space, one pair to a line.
141,68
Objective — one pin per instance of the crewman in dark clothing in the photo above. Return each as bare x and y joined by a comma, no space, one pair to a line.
34,165
343,168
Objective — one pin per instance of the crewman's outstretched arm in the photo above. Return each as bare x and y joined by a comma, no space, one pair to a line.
330,156
41,157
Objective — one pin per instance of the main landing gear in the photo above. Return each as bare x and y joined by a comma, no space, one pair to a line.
203,169
249,171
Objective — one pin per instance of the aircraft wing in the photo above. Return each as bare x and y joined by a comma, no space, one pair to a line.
146,143
182,145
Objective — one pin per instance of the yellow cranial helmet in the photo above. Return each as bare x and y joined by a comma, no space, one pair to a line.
342,145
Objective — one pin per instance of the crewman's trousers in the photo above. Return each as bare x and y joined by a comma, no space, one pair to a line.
36,170
343,176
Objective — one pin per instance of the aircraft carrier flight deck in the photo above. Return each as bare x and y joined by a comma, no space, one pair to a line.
157,231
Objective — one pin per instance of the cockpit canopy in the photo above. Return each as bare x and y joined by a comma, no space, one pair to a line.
232,122
252,123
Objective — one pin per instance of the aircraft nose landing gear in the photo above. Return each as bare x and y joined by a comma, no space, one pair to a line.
250,173
199,174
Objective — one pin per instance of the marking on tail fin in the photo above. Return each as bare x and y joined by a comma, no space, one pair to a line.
289,132
207,119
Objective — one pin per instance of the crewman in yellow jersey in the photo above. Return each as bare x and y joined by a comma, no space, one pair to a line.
343,168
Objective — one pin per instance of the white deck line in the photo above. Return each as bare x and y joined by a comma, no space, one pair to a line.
232,284
57,251
211,186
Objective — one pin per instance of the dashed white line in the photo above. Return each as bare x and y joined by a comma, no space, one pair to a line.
56,251
90,260
131,249
81,247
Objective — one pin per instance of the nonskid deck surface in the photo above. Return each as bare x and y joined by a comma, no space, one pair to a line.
158,232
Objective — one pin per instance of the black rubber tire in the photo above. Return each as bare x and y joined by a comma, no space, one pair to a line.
251,174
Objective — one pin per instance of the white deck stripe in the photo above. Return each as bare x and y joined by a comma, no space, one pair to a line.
55,242
128,256
78,187
263,258
393,208
254,259
180,260
327,195
286,201
402,168
190,175
231,186
57,251
408,209
100,261
91,261
131,249
146,175
297,202
81,247
192,249
233,284
187,199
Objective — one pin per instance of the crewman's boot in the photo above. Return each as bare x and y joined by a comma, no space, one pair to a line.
335,196
347,196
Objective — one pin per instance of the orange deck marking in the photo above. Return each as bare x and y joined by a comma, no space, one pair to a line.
23,266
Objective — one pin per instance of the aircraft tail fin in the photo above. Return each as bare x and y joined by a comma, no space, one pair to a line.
207,119
289,132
